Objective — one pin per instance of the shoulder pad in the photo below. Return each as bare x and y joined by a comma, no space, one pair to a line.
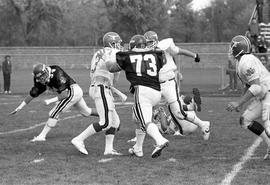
165,43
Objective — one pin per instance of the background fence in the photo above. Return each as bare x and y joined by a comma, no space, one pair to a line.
209,74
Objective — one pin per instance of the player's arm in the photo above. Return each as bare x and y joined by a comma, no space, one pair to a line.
116,78
255,90
175,50
34,92
113,67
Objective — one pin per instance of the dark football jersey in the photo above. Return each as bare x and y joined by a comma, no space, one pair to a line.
142,67
59,81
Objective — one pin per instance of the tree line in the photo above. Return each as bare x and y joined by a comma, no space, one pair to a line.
84,22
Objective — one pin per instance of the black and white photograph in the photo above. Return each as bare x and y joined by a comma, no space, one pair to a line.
135,92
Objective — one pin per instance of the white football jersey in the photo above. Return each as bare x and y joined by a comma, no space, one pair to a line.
170,50
250,67
98,64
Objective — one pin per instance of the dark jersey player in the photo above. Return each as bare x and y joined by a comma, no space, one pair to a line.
55,79
141,67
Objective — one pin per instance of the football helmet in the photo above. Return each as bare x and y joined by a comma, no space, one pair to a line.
240,45
151,39
113,40
41,73
137,41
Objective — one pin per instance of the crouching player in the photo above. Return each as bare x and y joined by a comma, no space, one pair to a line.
166,124
256,78
70,94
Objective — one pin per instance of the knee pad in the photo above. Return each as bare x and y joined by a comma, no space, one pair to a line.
51,122
110,131
244,122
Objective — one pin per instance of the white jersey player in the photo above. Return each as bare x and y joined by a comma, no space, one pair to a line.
100,91
256,78
169,87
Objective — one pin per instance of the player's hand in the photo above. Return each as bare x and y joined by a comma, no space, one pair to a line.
197,58
14,112
46,102
233,106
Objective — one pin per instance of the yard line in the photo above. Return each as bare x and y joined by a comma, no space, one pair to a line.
237,167
42,123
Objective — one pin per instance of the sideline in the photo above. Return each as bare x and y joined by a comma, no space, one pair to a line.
43,123
238,166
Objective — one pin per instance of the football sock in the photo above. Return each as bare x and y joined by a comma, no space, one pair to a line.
45,131
194,119
153,131
109,142
140,135
87,132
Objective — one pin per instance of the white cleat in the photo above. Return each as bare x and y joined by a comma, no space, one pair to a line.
158,149
113,152
206,130
132,151
38,139
79,145
267,155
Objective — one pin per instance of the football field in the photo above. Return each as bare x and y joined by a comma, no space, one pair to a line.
232,156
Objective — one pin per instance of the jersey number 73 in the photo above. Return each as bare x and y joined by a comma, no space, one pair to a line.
144,64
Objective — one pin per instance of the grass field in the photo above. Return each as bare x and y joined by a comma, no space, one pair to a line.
231,156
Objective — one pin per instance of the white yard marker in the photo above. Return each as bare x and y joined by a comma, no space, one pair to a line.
237,167
105,160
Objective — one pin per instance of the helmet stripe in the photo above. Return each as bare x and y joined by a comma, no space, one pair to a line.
248,42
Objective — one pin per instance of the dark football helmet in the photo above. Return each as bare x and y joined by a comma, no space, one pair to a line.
240,45
151,39
113,40
137,41
41,73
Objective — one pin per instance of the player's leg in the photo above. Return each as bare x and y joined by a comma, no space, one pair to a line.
145,99
137,149
254,111
178,114
101,103
54,114
266,113
171,94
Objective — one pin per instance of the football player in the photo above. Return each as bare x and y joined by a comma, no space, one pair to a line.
101,92
169,87
55,79
142,66
166,123
256,79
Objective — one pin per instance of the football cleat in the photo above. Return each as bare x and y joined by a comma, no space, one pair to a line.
79,145
38,139
158,149
113,152
132,151
206,130
197,98
267,155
